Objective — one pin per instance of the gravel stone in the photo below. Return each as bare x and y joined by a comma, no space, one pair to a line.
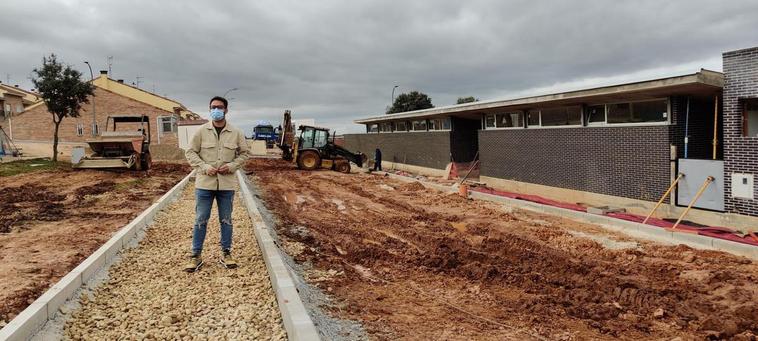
148,295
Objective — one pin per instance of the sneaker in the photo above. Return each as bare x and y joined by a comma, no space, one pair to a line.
227,261
194,263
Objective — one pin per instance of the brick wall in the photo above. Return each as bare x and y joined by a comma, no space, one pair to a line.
425,149
36,124
740,152
630,162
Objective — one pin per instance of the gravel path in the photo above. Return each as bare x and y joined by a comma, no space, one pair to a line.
148,296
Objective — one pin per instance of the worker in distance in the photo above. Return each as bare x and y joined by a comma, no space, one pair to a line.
217,150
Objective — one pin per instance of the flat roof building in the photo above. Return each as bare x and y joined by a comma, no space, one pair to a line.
621,144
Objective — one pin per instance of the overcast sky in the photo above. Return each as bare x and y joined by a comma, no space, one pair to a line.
336,61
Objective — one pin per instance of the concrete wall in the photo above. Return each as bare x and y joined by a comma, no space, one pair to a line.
424,149
36,124
740,152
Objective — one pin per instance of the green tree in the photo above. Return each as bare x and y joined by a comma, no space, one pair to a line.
468,99
62,90
410,101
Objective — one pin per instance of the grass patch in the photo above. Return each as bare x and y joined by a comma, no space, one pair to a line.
28,166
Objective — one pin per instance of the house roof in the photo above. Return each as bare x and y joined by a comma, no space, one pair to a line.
106,83
703,82
27,97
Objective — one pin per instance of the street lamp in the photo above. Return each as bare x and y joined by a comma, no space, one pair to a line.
393,95
94,118
228,91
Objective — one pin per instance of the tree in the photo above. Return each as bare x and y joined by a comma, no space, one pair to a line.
413,100
62,90
468,99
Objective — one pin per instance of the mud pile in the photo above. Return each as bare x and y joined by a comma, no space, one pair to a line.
521,269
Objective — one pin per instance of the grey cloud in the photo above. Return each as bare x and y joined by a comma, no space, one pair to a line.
338,60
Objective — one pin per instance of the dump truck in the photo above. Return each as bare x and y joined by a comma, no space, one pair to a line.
265,131
312,148
125,143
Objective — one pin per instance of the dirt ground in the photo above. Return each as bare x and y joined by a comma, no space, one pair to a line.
415,263
51,220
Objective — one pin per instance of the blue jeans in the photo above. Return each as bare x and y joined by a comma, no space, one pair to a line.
203,204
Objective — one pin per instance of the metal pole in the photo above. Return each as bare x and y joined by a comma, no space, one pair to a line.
392,102
715,124
94,117
228,91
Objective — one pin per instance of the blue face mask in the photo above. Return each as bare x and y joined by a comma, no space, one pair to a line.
217,114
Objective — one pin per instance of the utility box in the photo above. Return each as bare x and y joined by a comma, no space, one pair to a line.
695,172
742,186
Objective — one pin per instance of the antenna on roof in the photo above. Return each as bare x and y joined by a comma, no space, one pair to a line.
138,80
110,63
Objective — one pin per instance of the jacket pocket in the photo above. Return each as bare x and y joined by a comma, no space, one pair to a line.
228,152
208,152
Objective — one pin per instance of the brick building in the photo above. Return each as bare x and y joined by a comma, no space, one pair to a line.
621,145
15,100
34,126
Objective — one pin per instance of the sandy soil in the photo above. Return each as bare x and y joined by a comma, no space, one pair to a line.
414,263
51,220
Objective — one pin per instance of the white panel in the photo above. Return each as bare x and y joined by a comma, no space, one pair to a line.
742,185
695,172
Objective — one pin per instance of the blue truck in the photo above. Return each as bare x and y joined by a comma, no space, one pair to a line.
265,131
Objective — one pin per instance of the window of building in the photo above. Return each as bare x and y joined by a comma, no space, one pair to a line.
596,114
401,126
638,112
419,125
79,129
372,128
19,108
489,121
564,116
533,118
385,127
513,119
439,124
750,118
95,130
167,124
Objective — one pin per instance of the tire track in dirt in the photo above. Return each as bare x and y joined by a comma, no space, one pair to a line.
527,270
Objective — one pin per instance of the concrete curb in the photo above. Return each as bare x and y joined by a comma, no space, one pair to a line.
633,229
31,319
297,322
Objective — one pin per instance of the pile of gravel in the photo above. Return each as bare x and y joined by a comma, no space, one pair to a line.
148,296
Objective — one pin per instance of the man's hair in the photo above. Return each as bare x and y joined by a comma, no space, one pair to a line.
219,98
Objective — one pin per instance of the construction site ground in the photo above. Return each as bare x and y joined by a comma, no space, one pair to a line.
414,263
52,219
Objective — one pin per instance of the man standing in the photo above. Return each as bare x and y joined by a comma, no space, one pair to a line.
216,151
377,160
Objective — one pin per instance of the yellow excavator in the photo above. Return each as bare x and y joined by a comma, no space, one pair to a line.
312,149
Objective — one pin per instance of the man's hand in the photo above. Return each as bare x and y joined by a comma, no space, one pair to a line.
224,169
212,171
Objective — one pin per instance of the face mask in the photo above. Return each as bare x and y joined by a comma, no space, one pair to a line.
217,114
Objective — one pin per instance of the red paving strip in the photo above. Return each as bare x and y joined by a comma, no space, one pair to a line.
718,232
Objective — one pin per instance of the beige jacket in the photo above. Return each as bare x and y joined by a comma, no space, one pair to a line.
208,150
